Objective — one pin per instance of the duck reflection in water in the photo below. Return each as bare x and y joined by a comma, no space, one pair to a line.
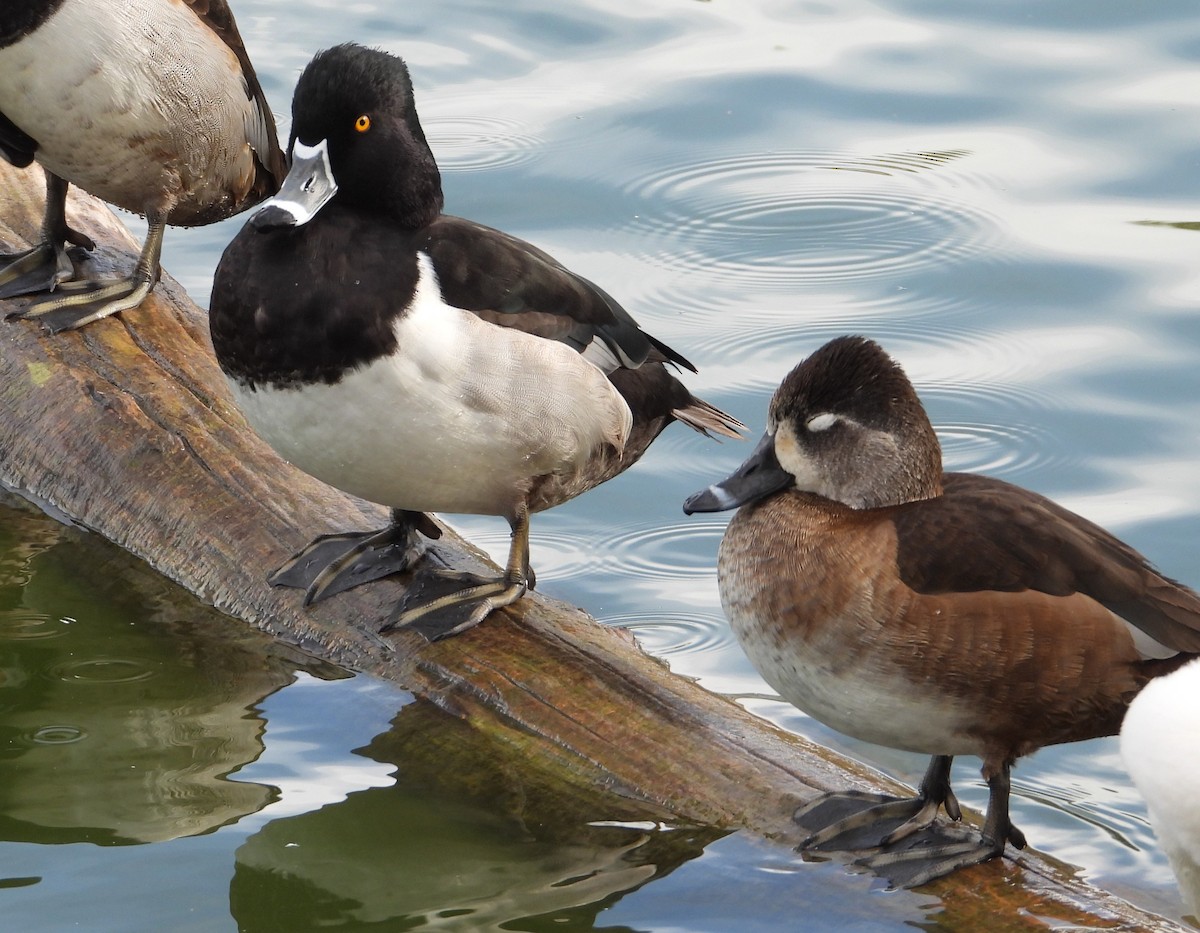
943,613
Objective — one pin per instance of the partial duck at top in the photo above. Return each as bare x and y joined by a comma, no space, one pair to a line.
151,105
942,613
423,361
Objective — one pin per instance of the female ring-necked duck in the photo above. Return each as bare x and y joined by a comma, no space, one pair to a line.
419,360
151,105
1160,745
943,613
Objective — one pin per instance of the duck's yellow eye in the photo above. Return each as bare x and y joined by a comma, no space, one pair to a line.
363,123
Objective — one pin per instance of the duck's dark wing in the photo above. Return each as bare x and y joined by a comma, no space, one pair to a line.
17,146
264,139
1004,538
509,282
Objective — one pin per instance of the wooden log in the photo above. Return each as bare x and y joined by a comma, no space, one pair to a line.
126,427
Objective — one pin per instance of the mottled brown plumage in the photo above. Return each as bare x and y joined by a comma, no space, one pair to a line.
151,105
940,613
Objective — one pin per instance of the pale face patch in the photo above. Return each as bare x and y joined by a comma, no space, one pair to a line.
796,460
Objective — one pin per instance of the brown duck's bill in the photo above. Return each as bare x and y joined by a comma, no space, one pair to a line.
758,477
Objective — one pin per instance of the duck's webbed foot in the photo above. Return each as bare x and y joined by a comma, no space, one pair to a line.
79,302
47,265
76,303
937,851
901,839
334,563
853,821
443,603
944,849
41,268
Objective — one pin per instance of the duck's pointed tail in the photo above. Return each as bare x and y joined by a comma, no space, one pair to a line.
705,418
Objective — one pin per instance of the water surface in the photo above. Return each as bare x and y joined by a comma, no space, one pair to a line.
1004,195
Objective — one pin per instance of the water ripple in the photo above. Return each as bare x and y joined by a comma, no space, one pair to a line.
667,634
59,734
103,671
27,624
758,335
480,142
781,219
994,448
681,551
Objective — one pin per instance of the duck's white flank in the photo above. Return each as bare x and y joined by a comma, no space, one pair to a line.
462,418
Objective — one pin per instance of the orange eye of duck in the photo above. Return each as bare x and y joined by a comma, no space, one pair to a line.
363,123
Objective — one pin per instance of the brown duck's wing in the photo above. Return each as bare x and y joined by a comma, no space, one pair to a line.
216,15
985,534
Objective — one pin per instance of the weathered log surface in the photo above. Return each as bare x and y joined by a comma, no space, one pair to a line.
126,427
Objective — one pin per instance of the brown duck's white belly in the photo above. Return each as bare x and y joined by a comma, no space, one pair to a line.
465,417
140,104
861,699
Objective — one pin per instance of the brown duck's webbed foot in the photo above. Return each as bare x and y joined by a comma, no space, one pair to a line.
853,821
934,853
918,861
922,849
441,603
40,268
334,563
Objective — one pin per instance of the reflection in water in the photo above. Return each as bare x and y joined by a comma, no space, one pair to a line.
470,837
388,855
124,706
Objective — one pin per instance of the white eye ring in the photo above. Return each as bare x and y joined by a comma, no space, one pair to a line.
822,422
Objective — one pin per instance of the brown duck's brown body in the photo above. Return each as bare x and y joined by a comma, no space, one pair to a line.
944,613
984,621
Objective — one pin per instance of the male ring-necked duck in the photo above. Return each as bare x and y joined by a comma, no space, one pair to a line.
1160,745
419,360
151,105
943,613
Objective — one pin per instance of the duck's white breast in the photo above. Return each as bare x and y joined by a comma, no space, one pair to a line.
462,418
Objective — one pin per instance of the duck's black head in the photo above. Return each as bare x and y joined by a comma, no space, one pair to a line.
354,119
845,424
